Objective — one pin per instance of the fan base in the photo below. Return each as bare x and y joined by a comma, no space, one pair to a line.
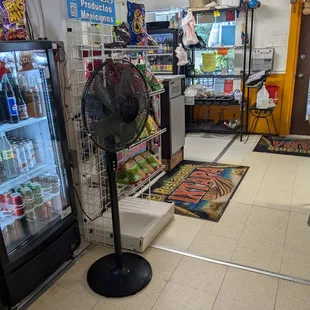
104,279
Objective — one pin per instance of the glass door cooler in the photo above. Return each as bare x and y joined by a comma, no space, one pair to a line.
163,60
39,230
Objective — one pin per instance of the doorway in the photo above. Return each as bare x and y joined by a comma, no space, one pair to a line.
301,106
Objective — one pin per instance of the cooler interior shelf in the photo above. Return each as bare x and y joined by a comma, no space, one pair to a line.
36,171
31,120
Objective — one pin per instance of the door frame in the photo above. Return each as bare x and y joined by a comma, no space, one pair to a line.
299,120
291,67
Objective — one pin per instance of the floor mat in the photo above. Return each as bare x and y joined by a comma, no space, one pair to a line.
199,190
286,146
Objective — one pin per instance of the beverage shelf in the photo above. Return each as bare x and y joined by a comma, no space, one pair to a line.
9,127
36,171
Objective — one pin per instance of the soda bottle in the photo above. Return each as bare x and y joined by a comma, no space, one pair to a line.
4,109
36,100
3,177
7,156
21,105
10,101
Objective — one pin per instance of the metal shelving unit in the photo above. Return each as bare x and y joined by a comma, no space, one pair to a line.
245,72
91,181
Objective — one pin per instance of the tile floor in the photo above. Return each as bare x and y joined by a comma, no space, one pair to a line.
264,226
178,282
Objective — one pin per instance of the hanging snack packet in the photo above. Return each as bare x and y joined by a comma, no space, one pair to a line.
144,165
151,126
13,12
133,172
136,24
152,160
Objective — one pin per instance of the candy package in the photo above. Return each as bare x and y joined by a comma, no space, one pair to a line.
133,172
144,134
151,126
144,165
13,12
136,24
152,160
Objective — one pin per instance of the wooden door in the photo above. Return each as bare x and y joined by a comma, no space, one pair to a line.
301,106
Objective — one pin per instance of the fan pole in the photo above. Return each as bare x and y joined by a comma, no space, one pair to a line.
111,160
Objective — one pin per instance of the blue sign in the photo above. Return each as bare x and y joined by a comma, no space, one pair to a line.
94,11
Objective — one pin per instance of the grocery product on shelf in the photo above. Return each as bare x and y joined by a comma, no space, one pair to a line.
152,160
151,126
144,165
136,21
7,156
20,159
10,99
21,105
14,19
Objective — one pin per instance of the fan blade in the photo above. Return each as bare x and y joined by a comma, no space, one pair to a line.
107,126
102,92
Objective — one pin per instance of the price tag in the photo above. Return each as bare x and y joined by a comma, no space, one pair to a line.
216,14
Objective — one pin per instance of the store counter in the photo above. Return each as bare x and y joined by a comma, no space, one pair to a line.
173,118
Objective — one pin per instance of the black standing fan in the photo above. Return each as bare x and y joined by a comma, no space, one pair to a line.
115,108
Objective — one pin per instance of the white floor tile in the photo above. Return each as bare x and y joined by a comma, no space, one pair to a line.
298,241
143,300
249,288
198,273
259,256
205,150
63,299
180,233
296,265
163,263
292,296
176,297
299,221
231,223
227,303
213,246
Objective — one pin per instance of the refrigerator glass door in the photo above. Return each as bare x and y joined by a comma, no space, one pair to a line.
33,188
161,60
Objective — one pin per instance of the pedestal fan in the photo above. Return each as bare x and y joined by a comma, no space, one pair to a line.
115,108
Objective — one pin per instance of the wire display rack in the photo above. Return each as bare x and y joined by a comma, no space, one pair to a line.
86,51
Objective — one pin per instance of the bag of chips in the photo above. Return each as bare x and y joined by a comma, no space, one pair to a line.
144,165
152,160
151,126
133,172
136,24
13,12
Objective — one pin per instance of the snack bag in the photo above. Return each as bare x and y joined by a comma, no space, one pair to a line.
144,165
151,126
122,177
13,12
144,134
133,172
136,24
152,160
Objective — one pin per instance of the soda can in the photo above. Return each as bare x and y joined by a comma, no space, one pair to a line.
36,188
5,200
26,192
20,159
18,204
33,153
28,154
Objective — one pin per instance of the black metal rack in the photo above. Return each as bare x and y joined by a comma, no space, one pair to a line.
244,108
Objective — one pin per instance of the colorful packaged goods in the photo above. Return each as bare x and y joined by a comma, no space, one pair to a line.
136,24
151,126
133,172
152,160
144,165
13,12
